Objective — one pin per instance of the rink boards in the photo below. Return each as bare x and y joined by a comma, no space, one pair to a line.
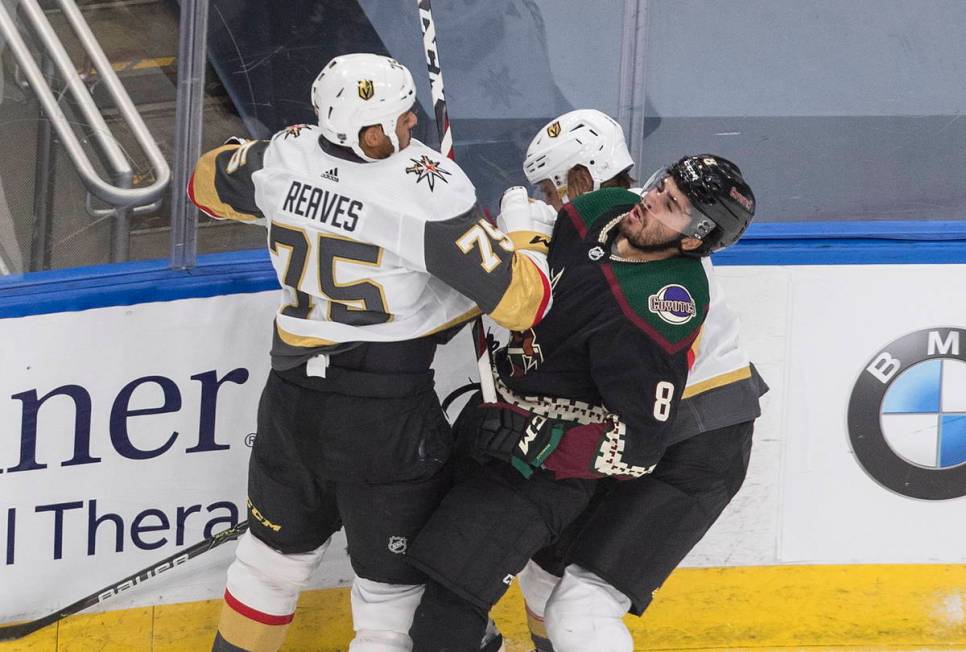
125,430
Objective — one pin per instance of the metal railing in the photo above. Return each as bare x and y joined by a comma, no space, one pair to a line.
117,192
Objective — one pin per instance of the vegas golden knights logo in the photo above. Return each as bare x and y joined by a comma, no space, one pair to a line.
553,130
366,89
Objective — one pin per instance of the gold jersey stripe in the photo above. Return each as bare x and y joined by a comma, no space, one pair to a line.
203,190
248,634
466,316
301,340
532,240
525,298
717,381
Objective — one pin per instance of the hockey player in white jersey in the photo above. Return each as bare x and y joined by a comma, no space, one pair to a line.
630,540
382,253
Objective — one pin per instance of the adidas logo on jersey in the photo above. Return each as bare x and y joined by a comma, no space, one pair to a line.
331,175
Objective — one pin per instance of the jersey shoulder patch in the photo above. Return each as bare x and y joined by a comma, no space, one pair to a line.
435,183
667,299
590,207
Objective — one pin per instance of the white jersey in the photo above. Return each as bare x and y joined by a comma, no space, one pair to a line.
723,386
718,357
382,251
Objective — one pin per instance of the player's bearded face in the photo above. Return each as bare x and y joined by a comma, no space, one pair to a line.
657,222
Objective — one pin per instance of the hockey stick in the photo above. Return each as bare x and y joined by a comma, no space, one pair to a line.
446,148
19,630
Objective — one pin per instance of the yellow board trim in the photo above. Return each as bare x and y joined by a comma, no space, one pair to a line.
847,607
717,381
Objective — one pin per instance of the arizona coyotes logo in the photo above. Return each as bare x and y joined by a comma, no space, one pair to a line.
366,89
523,352
426,168
554,130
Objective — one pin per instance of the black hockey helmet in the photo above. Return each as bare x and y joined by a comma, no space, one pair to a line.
723,203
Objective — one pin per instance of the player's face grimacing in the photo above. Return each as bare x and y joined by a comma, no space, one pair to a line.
658,221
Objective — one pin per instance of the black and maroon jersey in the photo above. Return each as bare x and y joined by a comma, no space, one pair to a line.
618,338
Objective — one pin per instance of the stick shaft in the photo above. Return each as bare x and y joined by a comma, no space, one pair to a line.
487,387
19,630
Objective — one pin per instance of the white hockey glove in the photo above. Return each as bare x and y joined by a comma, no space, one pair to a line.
520,213
528,222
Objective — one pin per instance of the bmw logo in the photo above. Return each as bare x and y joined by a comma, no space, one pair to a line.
907,415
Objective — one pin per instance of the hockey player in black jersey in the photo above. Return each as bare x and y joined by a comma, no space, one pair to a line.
382,253
698,475
630,298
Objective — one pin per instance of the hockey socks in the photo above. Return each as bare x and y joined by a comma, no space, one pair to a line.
263,589
586,613
382,614
537,585
242,628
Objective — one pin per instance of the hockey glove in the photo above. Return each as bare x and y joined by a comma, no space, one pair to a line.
528,222
514,435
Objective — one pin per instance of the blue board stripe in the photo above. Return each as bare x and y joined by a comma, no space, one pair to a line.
251,271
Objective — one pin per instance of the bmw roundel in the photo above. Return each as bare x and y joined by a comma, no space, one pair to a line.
907,415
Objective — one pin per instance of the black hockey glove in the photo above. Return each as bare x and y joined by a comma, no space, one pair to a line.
509,433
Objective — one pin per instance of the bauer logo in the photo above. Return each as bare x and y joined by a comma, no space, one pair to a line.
907,415
673,304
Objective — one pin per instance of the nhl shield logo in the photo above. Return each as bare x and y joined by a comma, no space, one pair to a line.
366,89
398,545
554,130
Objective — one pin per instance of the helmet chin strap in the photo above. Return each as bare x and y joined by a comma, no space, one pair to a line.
388,128
357,148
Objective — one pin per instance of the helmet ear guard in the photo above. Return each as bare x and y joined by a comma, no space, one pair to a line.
583,137
722,202
354,91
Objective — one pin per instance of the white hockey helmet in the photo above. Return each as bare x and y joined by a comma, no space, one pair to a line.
583,137
357,90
